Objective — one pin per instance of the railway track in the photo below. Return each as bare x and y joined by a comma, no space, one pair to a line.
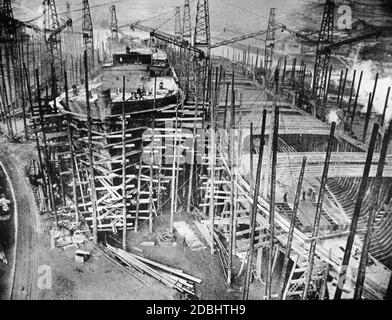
7,253
22,282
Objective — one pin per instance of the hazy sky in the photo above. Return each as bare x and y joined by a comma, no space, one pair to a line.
244,15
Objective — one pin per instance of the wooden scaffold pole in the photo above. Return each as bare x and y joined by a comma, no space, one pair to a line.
284,71
293,67
10,62
72,154
343,89
356,102
340,85
22,90
47,173
3,105
356,214
367,118
291,230
372,213
254,209
90,152
139,181
385,108
124,172
317,218
251,182
351,92
226,104
30,97
230,151
325,98
173,178
6,102
268,287
194,140
151,184
212,161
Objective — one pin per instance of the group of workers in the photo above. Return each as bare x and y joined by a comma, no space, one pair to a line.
141,92
311,193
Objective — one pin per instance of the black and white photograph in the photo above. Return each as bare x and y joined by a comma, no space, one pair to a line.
208,152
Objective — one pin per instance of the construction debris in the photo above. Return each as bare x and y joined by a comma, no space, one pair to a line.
147,243
82,256
172,277
65,239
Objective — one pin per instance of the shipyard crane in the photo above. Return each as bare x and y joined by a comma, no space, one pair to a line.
52,30
177,24
68,12
334,45
7,30
53,33
270,43
167,38
14,23
53,44
9,23
113,22
240,38
87,32
322,54
138,26
325,44
186,22
226,29
202,35
301,36
176,42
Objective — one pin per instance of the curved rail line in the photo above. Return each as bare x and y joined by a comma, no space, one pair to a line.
15,206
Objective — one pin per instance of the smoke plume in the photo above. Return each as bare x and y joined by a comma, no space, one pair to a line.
370,70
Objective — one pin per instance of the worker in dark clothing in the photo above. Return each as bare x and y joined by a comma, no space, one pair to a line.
303,195
285,198
314,196
312,292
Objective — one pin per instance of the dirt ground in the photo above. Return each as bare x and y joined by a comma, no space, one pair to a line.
98,278
13,158
200,263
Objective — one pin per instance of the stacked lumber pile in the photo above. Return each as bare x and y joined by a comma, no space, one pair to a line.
172,277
